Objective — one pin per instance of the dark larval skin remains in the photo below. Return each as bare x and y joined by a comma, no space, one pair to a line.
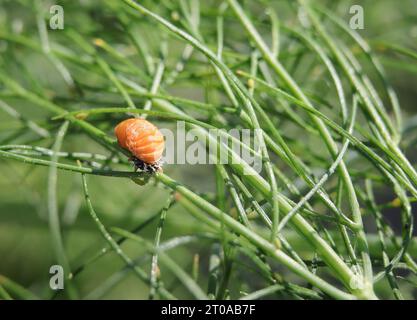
146,167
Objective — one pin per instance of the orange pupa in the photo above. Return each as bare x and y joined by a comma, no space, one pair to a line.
143,140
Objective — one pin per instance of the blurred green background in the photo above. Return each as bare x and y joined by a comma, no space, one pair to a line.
25,243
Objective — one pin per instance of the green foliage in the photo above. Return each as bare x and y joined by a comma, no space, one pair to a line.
329,216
